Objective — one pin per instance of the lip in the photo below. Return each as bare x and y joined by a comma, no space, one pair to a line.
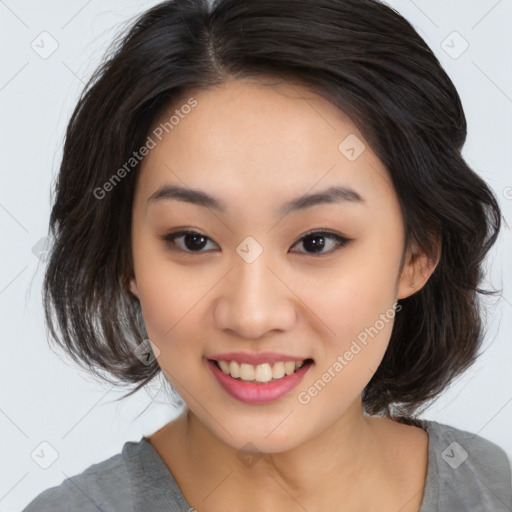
257,358
258,392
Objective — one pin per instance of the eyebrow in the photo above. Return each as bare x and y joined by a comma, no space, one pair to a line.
334,194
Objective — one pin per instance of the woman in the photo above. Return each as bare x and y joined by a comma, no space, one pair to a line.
266,202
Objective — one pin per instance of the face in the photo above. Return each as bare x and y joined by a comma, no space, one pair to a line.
317,281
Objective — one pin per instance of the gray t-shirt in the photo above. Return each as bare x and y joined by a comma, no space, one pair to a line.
465,473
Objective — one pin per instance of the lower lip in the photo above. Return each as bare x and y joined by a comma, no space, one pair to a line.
258,392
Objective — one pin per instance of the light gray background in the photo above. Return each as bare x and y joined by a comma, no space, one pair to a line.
44,398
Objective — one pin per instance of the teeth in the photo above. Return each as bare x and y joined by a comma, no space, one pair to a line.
289,367
278,370
247,371
263,373
224,366
234,369
260,373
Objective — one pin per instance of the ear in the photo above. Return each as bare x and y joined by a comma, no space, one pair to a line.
417,269
134,288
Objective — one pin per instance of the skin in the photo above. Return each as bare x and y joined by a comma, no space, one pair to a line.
256,147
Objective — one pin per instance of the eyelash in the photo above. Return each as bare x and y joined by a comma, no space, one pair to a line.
341,241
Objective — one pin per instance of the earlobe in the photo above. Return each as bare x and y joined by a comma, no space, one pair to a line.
134,288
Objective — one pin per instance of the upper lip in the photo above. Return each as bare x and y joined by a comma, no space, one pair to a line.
255,359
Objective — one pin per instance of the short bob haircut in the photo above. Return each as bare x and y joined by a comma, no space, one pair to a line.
370,63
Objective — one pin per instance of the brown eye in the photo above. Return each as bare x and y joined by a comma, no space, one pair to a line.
192,241
315,242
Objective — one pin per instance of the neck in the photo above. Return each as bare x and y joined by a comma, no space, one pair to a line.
340,461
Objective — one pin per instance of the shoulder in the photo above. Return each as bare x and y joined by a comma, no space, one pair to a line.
466,471
104,486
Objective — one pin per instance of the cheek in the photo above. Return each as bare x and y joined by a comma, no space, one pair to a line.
166,291
362,325
361,319
173,300
348,301
170,307
167,305
162,293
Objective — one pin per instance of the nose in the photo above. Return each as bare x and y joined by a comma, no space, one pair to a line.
254,300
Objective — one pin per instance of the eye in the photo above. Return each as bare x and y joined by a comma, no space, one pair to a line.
315,241
192,241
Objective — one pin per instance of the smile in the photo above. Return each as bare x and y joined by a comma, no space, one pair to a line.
256,384
264,372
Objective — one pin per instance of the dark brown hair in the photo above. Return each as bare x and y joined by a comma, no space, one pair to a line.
369,62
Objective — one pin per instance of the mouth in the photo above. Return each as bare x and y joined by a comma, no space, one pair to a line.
260,373
256,384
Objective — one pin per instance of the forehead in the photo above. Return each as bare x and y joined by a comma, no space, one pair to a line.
261,141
